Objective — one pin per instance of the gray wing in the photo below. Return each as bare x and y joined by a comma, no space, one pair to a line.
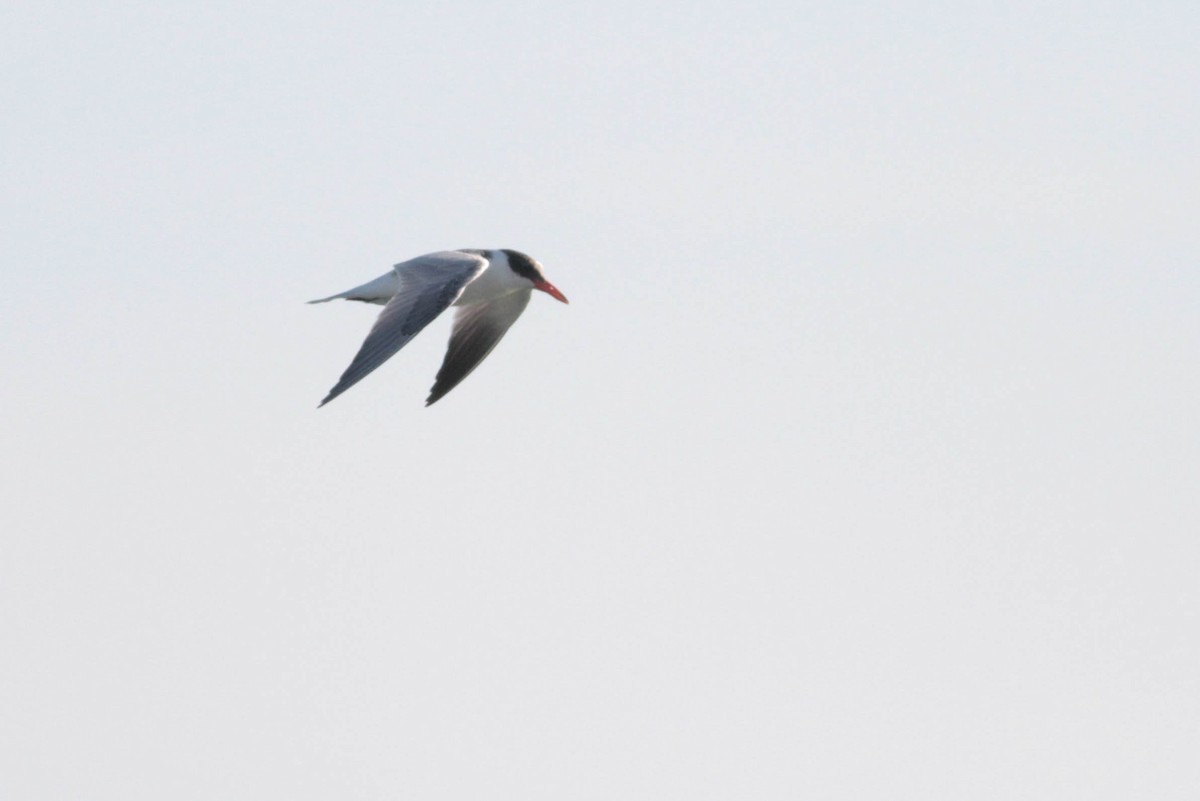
428,285
477,329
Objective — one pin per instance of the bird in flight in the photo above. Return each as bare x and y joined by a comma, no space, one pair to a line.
490,288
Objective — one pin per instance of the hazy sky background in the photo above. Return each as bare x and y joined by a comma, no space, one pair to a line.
863,463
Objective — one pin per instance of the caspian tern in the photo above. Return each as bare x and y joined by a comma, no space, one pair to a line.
490,288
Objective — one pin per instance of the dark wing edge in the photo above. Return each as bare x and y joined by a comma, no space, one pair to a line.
478,328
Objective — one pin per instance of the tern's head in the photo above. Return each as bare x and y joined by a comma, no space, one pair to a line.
531,271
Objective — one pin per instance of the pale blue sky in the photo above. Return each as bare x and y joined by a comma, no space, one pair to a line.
862,464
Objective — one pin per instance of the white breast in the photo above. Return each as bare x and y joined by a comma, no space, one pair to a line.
495,281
